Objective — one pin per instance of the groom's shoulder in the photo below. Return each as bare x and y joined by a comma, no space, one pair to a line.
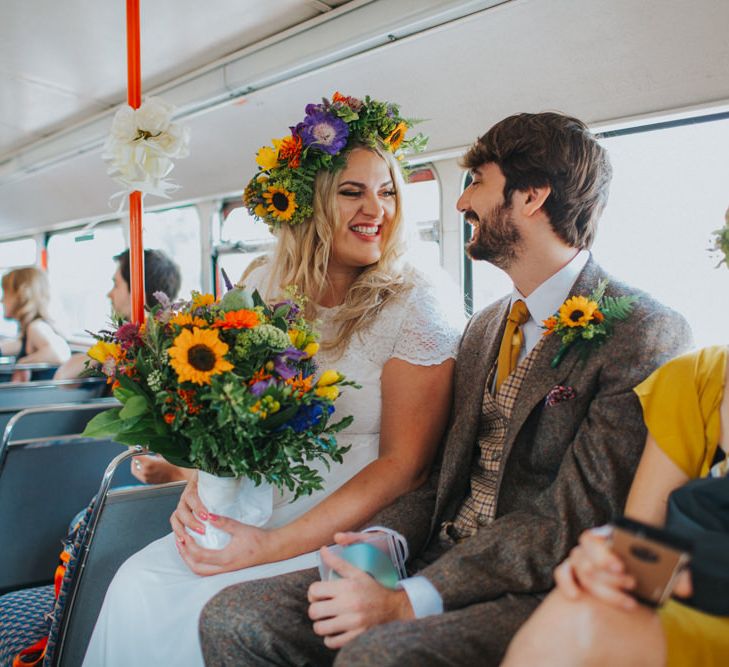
652,333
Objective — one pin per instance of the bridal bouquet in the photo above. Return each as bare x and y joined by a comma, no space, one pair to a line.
229,387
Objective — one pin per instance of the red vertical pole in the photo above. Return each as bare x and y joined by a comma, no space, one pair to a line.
134,98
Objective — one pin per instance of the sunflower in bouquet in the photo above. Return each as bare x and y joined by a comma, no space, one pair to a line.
229,387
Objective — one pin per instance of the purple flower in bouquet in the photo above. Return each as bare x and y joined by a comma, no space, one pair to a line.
294,310
257,388
323,131
282,360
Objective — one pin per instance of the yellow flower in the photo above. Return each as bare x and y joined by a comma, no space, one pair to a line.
187,320
102,350
197,355
294,335
201,300
311,349
328,377
395,138
329,393
267,157
577,311
281,202
260,211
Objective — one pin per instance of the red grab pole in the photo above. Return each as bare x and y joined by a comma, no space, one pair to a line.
134,99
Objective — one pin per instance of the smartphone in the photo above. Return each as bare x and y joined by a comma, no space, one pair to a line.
377,554
653,556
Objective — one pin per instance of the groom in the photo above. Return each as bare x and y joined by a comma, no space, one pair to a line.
536,452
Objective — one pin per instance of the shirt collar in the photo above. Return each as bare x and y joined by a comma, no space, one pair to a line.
553,292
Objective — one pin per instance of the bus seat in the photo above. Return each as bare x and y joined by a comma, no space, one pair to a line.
43,484
15,396
115,532
47,421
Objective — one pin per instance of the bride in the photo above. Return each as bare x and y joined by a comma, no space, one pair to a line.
340,242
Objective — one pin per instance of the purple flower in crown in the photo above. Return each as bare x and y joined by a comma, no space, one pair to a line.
558,394
323,131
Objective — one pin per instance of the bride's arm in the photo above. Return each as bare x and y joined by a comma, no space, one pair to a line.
415,407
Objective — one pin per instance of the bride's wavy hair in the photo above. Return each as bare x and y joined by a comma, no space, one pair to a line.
303,252
32,293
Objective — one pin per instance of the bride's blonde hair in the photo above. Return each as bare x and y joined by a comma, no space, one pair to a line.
303,251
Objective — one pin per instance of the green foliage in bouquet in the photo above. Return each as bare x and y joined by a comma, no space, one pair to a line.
228,387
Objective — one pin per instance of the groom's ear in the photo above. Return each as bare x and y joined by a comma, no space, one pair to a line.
534,198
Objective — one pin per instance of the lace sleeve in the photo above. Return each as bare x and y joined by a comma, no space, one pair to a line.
429,333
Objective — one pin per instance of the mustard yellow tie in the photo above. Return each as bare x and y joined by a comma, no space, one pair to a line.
511,342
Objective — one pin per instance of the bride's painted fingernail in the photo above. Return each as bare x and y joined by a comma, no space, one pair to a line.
203,515
214,517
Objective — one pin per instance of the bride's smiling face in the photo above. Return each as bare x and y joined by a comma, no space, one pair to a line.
367,203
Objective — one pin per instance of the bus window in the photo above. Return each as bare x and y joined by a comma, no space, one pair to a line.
421,211
669,192
176,231
80,274
243,238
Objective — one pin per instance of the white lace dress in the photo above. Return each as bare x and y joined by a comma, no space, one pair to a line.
151,610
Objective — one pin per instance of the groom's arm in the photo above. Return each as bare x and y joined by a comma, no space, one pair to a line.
518,551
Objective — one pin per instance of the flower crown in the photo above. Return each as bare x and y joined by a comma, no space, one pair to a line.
283,188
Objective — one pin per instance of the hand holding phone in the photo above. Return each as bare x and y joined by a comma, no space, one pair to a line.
653,557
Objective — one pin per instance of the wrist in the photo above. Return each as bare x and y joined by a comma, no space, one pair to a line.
403,609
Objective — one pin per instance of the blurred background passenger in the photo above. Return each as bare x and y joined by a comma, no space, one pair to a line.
161,274
26,299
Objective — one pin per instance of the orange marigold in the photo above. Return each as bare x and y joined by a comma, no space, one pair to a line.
169,417
259,376
238,319
301,385
290,149
549,325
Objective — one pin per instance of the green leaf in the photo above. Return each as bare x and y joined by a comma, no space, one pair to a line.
105,424
135,406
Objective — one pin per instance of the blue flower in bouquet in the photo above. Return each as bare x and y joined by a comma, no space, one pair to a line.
309,415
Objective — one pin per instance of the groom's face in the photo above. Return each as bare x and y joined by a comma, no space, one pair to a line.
495,237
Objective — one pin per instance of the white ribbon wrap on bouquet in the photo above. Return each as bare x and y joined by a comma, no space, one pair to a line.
238,499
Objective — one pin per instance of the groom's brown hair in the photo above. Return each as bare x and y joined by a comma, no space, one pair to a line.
536,150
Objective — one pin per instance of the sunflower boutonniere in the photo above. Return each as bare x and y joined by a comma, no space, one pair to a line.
585,322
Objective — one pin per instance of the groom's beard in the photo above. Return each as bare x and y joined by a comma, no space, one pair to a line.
495,238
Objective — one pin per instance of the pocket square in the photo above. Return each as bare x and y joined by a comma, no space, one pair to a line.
558,394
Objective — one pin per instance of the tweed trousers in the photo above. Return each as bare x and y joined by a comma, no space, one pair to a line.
243,625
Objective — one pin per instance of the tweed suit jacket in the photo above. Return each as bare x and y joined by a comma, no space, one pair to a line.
565,467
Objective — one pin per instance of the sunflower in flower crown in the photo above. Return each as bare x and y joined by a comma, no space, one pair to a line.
282,191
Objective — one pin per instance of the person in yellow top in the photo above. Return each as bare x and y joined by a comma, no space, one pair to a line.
591,618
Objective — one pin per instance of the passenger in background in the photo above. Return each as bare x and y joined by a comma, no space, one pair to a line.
26,298
591,618
333,194
161,274
543,443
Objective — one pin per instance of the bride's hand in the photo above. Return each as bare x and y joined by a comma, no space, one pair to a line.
189,510
248,546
